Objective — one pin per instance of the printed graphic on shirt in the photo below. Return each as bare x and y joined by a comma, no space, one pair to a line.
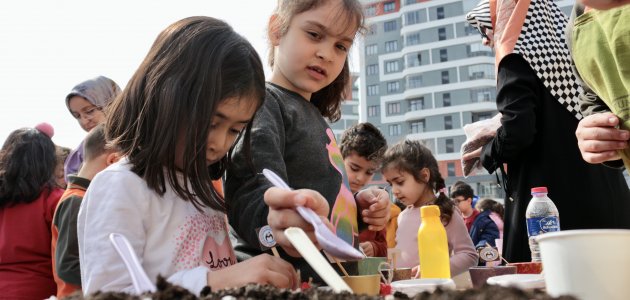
344,213
203,240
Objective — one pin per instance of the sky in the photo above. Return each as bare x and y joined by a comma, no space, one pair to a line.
49,46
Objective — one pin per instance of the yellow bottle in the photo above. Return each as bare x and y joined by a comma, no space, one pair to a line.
432,245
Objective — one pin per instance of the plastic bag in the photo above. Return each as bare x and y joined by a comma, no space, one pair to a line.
477,135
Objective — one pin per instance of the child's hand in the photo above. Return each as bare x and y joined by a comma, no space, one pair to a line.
263,269
282,214
373,203
367,248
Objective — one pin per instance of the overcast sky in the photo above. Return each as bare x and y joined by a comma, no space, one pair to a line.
48,46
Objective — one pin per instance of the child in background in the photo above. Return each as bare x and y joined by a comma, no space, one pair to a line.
309,58
87,103
496,212
192,97
28,196
65,248
413,173
362,147
480,226
62,153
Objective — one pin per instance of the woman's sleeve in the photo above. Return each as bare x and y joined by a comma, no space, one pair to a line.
464,254
517,91
244,187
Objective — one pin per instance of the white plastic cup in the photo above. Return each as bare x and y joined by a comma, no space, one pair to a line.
590,264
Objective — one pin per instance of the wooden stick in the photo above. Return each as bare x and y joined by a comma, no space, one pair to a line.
275,251
340,266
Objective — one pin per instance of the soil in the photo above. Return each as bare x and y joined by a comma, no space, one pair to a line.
266,292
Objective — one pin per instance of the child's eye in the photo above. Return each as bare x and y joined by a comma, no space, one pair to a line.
342,48
235,131
314,35
354,169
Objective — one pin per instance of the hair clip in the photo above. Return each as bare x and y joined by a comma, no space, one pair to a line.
46,129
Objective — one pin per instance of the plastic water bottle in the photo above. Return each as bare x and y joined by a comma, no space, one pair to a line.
542,216
432,245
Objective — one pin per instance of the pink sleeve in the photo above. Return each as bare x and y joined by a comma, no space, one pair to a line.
460,245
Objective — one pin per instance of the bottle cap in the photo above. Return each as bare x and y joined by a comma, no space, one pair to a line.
540,189
429,211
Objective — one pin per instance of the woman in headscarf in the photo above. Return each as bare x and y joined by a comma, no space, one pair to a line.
87,102
537,95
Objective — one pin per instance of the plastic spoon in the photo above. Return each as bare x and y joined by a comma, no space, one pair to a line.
307,249
139,277
329,241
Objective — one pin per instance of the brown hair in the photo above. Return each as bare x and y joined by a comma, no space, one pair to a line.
327,100
364,139
193,65
411,157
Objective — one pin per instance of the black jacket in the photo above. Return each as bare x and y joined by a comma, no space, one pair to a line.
537,143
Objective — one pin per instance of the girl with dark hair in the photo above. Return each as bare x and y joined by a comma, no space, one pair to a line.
191,99
414,176
310,41
28,197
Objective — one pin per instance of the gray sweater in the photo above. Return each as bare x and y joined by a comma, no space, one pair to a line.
290,137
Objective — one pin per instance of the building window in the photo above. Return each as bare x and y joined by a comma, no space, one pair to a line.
414,81
391,66
485,71
372,29
373,110
389,6
390,26
450,169
393,87
393,108
412,39
446,99
441,33
417,127
440,12
445,77
395,130
450,146
391,46
372,69
372,90
410,1
370,11
413,59
412,17
448,122
481,116
416,104
371,49
443,55
478,49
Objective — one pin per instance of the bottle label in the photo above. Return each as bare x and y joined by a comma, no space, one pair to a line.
536,226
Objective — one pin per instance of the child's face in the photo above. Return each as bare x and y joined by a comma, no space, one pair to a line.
313,51
360,171
230,118
405,187
87,114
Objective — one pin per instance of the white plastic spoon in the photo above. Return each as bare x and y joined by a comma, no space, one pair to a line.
139,277
315,259
329,241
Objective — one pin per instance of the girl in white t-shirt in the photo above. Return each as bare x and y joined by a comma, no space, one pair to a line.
192,97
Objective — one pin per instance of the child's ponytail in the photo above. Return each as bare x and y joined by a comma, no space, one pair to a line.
443,201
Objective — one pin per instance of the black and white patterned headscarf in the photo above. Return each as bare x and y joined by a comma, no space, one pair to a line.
540,41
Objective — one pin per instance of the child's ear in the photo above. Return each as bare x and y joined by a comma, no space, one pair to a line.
112,158
425,175
273,30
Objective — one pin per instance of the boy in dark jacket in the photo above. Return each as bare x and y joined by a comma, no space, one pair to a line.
480,226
